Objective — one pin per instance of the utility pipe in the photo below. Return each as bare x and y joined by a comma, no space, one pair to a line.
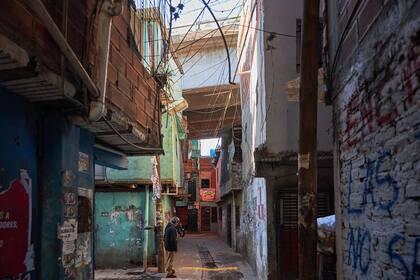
40,10
108,10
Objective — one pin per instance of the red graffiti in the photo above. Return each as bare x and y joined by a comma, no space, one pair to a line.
410,72
261,215
365,113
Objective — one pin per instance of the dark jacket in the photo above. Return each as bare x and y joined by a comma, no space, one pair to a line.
170,238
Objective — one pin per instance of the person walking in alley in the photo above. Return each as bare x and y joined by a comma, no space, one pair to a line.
171,245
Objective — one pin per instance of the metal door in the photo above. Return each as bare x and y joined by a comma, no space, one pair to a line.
119,228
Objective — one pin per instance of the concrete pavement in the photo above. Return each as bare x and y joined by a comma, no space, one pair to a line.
200,256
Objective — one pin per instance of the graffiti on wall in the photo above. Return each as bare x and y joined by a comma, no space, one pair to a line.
402,252
410,263
261,215
375,185
373,196
16,248
359,249
364,112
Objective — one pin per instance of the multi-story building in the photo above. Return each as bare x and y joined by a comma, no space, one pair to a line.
125,211
213,100
268,54
187,208
74,93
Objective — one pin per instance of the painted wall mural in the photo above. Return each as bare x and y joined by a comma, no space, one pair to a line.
16,248
207,194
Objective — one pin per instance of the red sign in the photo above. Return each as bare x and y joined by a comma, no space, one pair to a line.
207,194
16,256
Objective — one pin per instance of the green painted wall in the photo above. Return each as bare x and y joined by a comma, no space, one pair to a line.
119,218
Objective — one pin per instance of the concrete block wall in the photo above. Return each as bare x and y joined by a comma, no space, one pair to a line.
377,132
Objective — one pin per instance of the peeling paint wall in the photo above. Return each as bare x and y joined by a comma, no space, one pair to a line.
254,223
119,228
67,172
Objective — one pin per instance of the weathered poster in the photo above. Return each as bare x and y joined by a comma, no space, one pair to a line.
155,180
70,198
68,247
83,162
16,250
68,230
70,211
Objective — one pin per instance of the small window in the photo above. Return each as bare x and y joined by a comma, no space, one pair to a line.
205,183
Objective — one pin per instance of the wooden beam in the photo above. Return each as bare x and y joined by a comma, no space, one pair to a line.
209,89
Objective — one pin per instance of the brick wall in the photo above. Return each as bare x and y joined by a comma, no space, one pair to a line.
130,88
18,23
377,132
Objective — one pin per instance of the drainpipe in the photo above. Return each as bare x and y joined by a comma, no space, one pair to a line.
108,10
38,7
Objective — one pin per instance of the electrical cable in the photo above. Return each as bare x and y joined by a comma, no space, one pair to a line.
189,29
341,41
128,141
224,40
267,31
221,119
246,35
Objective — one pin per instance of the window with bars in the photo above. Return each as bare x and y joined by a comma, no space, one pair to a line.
289,208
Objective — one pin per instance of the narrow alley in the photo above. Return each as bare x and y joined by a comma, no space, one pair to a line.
209,139
200,256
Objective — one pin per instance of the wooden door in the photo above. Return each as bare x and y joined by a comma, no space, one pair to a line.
205,219
288,250
182,214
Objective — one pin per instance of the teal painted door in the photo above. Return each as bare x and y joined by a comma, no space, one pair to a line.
119,228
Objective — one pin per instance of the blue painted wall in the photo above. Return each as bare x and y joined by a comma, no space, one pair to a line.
64,145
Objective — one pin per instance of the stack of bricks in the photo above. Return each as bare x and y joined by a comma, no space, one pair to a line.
377,132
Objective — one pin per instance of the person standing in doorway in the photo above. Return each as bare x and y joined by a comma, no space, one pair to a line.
171,245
